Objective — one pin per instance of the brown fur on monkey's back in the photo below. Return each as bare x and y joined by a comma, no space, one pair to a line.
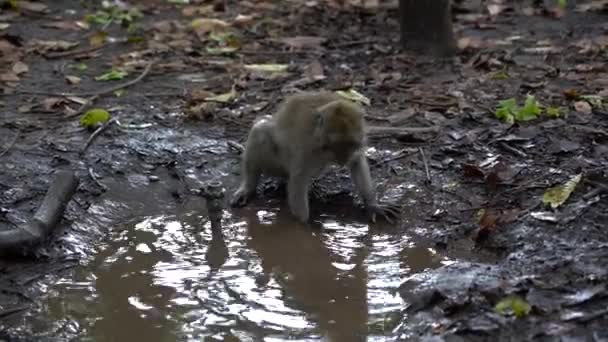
297,111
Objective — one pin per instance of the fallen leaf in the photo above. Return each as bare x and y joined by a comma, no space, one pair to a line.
9,76
571,94
315,71
224,98
94,117
190,11
51,103
4,26
471,170
113,75
582,107
32,6
557,195
205,25
20,68
242,19
221,50
300,42
63,25
266,67
72,79
353,95
98,38
514,304
197,95
44,46
495,9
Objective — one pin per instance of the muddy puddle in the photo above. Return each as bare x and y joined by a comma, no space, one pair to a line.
169,277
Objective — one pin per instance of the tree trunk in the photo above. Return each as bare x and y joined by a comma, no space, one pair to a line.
426,26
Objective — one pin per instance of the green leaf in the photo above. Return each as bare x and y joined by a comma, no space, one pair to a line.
94,117
562,4
112,75
513,304
222,50
554,112
530,111
79,66
500,75
557,195
506,110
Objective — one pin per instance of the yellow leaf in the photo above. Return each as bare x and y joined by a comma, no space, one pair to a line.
557,195
355,96
224,98
267,67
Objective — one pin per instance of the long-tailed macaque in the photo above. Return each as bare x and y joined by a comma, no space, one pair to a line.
308,132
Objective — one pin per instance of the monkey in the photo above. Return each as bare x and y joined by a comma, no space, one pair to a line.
308,132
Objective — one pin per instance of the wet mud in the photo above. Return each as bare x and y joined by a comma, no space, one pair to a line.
136,256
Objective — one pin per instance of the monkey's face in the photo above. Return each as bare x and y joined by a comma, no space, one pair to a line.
342,150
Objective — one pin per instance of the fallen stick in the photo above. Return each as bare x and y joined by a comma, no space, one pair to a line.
22,240
378,130
11,144
95,134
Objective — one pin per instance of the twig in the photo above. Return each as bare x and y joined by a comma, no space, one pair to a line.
351,43
75,52
426,165
513,149
13,310
97,94
96,181
95,134
11,144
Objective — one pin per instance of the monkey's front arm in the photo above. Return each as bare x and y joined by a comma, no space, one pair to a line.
359,169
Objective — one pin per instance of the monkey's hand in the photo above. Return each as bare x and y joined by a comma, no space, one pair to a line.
390,211
240,198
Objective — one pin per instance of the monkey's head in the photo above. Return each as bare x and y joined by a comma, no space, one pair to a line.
341,131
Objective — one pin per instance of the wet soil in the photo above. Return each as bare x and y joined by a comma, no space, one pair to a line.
136,257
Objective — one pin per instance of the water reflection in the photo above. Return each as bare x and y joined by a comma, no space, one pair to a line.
261,277
299,260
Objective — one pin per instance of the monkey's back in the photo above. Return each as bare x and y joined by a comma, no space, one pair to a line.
296,114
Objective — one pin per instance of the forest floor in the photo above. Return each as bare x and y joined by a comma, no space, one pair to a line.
477,185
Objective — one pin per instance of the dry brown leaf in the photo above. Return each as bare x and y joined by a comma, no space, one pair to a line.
197,95
299,42
495,9
582,107
315,71
63,25
9,76
243,19
190,11
51,103
205,25
31,6
469,42
44,46
20,68
72,79
471,170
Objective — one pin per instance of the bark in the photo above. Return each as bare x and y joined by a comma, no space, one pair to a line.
21,240
426,26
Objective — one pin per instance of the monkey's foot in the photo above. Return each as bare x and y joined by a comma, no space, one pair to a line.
390,211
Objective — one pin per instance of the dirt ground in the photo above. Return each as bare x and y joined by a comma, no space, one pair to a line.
479,182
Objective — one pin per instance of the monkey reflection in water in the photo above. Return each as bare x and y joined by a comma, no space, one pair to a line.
309,132
337,302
